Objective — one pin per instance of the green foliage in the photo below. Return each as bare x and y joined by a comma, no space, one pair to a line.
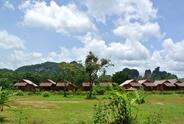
45,94
19,93
117,87
117,110
120,77
4,99
93,65
155,118
140,96
99,90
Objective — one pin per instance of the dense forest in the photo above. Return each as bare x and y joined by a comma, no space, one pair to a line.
74,72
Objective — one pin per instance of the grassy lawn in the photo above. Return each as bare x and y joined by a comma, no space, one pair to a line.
77,110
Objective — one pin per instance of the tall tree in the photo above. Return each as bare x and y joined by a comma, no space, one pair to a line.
93,65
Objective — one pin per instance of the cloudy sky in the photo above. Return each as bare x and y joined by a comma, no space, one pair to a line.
138,34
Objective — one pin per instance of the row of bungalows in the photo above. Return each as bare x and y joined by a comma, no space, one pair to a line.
85,86
50,85
161,85
45,85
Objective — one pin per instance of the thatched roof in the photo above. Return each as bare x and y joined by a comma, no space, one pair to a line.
47,83
157,82
179,84
149,85
173,81
105,83
20,84
62,83
24,82
86,84
143,81
128,82
169,85
135,84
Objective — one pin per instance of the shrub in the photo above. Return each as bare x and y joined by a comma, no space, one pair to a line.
139,96
155,118
97,90
46,94
4,98
117,87
19,93
117,110
109,88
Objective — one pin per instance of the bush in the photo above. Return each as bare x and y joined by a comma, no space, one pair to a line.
4,98
97,90
138,95
19,93
117,87
46,94
109,88
154,118
116,110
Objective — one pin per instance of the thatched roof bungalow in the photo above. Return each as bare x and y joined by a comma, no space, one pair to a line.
174,81
149,86
131,83
105,83
164,85
25,85
61,85
180,86
85,86
47,85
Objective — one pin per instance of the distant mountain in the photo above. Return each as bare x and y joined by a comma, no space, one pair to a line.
47,67
5,70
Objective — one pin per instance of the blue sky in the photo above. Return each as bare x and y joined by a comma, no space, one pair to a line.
137,34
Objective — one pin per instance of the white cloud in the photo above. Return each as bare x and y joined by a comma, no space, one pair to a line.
129,9
8,5
9,41
64,18
19,58
137,31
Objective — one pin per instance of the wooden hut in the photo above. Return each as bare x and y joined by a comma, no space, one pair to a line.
149,86
131,83
174,81
47,85
105,83
179,86
85,86
164,85
25,85
61,85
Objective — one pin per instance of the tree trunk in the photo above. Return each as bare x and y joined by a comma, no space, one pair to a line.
1,108
91,90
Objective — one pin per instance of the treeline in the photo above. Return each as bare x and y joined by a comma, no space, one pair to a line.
74,72
156,74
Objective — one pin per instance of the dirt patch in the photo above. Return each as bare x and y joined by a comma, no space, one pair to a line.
43,104
159,103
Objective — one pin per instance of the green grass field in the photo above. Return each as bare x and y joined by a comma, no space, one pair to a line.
77,110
